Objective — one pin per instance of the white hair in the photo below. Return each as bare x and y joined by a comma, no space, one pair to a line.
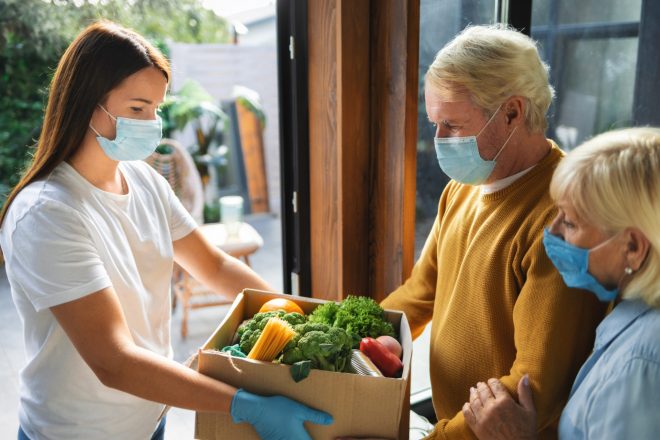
493,63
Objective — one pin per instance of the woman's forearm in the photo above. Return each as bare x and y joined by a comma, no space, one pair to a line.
153,377
232,276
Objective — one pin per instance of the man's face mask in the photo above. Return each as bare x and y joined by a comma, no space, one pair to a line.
136,139
459,157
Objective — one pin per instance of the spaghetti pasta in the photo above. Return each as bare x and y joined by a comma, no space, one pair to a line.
276,334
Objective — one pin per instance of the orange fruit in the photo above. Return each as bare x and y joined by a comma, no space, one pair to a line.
281,304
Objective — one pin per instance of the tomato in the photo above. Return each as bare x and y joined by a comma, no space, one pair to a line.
391,344
281,304
386,362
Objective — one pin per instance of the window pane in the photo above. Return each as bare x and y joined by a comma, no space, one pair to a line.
541,12
597,88
440,21
585,11
571,11
591,48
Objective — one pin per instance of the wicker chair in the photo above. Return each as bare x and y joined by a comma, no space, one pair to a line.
178,168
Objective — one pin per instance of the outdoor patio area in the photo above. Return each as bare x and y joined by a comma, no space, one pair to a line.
180,423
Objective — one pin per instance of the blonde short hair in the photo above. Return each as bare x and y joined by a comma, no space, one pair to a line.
613,182
493,63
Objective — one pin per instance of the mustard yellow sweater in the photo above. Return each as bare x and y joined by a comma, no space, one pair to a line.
498,306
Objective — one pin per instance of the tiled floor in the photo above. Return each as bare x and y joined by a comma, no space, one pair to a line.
180,423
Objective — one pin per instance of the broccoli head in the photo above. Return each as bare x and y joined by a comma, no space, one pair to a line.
249,331
311,326
328,348
291,356
294,318
319,348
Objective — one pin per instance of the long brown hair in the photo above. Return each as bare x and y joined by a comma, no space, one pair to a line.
97,61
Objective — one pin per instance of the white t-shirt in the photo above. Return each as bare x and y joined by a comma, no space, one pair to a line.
490,188
62,239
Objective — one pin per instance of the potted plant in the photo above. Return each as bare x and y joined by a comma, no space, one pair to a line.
193,105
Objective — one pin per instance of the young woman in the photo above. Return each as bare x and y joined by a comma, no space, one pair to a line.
605,239
89,236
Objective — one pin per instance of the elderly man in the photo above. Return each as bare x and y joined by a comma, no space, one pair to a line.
497,306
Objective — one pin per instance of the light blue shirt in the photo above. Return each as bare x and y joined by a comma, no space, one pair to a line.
616,394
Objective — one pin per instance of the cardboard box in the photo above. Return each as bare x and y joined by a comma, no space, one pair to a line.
361,405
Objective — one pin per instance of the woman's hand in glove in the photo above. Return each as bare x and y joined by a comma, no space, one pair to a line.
276,417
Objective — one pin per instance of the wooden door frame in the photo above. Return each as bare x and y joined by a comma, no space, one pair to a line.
362,90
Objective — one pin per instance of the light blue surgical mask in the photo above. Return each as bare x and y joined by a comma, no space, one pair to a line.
572,262
136,139
459,157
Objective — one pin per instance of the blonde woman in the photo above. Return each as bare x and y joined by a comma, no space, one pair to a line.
605,239
497,306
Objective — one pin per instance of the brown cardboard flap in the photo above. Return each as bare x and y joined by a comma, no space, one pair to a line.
225,331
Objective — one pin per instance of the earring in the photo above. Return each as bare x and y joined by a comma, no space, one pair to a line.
628,270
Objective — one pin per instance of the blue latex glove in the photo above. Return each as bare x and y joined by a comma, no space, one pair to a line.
277,417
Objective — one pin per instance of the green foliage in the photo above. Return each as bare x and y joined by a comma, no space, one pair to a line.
250,100
360,316
192,104
325,313
35,33
29,49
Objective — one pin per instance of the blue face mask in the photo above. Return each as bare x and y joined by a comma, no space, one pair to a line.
136,139
459,157
572,263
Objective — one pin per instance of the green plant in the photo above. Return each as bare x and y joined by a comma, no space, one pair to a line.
250,102
191,104
29,49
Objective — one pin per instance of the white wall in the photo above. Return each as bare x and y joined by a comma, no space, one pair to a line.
261,32
218,68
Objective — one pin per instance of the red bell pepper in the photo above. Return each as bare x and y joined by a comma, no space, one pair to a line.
387,363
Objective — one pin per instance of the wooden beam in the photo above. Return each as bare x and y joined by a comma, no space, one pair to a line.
353,117
394,58
339,146
363,61
410,138
323,161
